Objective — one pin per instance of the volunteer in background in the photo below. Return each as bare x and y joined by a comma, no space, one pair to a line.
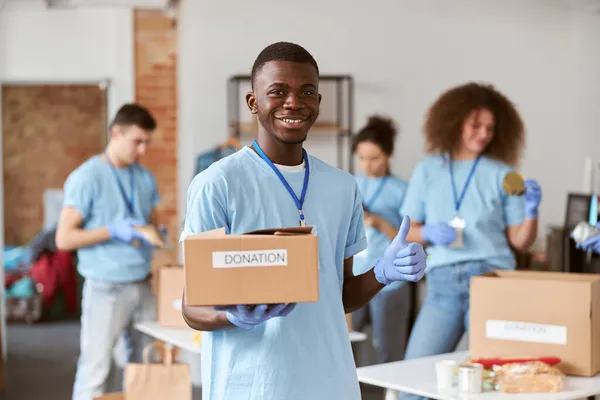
458,208
288,351
104,199
382,194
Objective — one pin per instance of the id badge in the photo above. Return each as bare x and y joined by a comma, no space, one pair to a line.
459,226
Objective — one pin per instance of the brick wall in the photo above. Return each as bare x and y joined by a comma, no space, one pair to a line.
47,132
156,88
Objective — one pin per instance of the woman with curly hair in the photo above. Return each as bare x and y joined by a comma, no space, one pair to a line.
474,137
383,193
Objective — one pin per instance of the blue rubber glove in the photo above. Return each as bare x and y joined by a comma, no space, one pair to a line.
401,261
592,244
124,230
438,233
248,316
533,197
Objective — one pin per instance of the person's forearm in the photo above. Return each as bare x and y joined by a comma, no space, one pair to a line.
359,290
388,229
414,235
524,237
73,239
204,318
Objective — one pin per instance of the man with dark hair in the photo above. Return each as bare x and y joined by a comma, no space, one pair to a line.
105,199
288,351
282,51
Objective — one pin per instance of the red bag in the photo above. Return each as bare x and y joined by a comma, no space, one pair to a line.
55,271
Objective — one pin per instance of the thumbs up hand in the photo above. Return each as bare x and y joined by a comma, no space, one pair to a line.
401,261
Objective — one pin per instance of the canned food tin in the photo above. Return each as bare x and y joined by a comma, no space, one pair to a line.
470,378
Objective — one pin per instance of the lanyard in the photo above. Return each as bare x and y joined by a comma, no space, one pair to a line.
128,201
458,200
299,202
367,205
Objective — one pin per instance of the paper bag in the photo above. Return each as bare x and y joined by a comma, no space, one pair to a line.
158,381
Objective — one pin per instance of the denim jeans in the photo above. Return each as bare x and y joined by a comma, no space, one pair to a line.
389,314
108,312
444,316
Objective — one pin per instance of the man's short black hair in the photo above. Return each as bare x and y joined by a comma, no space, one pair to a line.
282,51
134,114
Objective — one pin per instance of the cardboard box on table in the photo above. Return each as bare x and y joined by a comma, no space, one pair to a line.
527,313
261,267
170,289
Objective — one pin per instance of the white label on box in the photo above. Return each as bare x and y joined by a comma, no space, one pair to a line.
525,332
251,258
177,304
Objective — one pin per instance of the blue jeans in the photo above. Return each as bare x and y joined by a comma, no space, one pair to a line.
389,313
444,316
108,311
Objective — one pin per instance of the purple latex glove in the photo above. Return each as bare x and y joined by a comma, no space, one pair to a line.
124,230
533,197
248,316
439,233
592,244
401,261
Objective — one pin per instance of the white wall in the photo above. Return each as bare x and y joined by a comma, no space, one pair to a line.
403,54
69,46
588,29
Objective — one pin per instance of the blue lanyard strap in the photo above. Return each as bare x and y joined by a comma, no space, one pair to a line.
299,202
367,204
128,201
458,200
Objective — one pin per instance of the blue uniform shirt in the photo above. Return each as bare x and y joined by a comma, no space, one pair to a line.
486,209
93,190
307,354
387,205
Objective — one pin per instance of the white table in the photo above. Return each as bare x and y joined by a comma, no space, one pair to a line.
177,337
184,337
418,377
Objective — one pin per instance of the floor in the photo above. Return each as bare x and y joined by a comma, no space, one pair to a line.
42,360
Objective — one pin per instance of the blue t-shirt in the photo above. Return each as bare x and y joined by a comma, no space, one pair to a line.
307,354
93,190
387,205
486,209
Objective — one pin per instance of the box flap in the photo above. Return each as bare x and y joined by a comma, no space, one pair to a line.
298,230
540,276
208,234
171,265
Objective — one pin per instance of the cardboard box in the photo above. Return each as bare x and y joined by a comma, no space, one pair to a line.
267,266
527,313
170,289
112,396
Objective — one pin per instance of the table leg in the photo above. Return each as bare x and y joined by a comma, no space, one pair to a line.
391,394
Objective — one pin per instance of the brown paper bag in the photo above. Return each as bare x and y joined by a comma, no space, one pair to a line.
158,381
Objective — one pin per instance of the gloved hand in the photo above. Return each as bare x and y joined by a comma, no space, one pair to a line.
533,197
248,316
123,230
401,261
438,233
592,244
